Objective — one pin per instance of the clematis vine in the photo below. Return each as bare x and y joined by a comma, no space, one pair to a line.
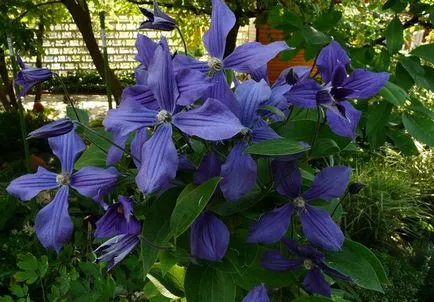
338,88
318,227
159,159
53,224
312,260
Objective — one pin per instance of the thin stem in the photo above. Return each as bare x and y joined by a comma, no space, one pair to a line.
317,127
108,140
183,40
154,245
339,203
65,91
43,289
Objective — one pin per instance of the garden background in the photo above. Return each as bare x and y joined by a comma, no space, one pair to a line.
392,157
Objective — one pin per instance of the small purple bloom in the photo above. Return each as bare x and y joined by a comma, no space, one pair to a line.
211,121
257,294
116,249
157,19
56,128
318,227
29,77
118,219
53,224
309,258
209,238
209,167
332,63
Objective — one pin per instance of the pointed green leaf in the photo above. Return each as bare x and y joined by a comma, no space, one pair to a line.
92,156
313,36
278,146
190,205
394,36
420,127
425,52
393,94
83,115
403,141
204,283
324,147
171,284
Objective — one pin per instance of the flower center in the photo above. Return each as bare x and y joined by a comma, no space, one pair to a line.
245,131
215,64
120,210
299,202
164,117
308,264
63,179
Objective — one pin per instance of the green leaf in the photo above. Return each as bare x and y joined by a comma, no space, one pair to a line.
92,156
28,276
420,127
324,147
96,137
27,262
328,20
83,115
394,35
190,205
156,228
311,299
360,264
313,36
90,269
19,291
378,116
43,266
171,284
281,18
396,5
204,283
416,71
273,109
425,52
403,78
168,259
403,141
393,94
278,146
418,106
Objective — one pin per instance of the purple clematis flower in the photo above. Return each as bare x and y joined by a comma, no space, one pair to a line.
239,170
245,58
209,167
116,249
309,258
157,19
56,128
257,294
30,76
159,159
332,62
209,238
118,219
53,224
318,227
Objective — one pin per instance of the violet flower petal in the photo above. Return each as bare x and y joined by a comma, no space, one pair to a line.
238,172
209,167
320,229
212,121
341,125
257,294
67,148
315,282
192,85
28,186
329,57
275,261
271,226
145,50
95,182
304,94
365,84
159,161
53,224
287,178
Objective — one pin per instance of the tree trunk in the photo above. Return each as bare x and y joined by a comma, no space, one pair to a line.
80,13
39,41
231,39
3,98
6,81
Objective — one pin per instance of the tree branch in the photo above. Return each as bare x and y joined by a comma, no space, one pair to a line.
36,6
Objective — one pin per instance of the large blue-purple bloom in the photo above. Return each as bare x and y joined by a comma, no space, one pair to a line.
53,224
245,58
118,219
338,88
257,294
209,237
28,77
318,227
157,19
159,159
239,170
309,258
